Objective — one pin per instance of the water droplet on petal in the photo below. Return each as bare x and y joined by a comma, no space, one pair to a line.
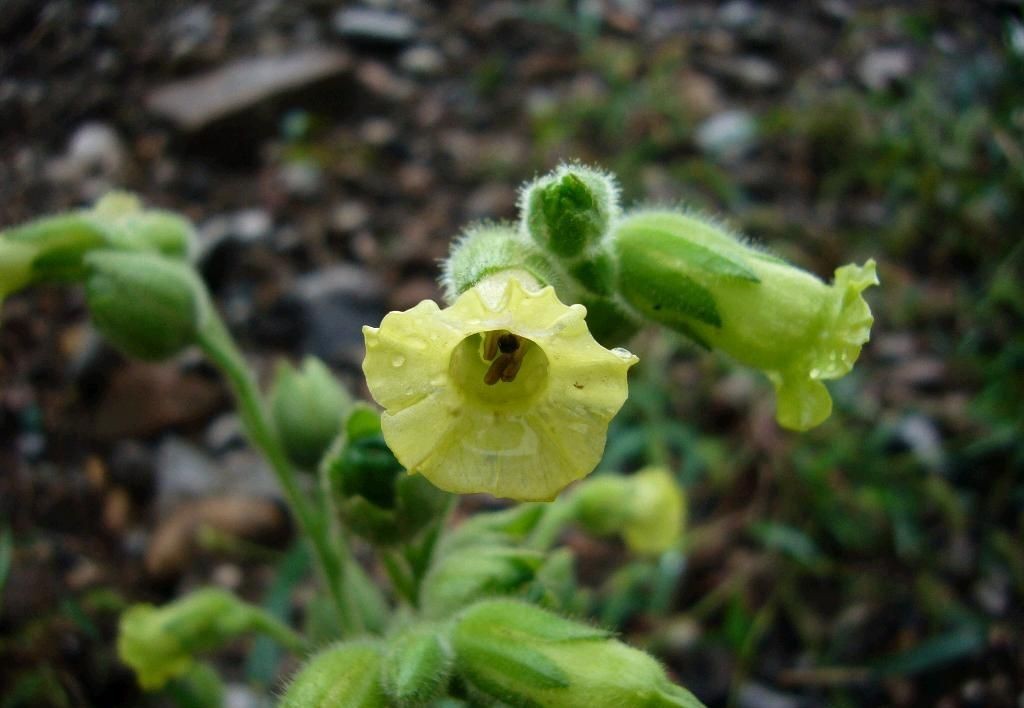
397,360
622,353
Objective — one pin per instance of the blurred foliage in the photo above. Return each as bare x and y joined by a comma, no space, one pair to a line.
886,543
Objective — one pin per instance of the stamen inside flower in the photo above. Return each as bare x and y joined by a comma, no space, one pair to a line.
504,366
499,357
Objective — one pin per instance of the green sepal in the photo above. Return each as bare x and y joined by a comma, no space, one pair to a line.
662,294
345,674
486,249
460,577
149,306
376,498
417,664
596,273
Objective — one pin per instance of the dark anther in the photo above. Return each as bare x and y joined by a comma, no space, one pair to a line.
508,343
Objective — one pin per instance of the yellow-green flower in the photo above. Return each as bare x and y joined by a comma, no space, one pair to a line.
504,392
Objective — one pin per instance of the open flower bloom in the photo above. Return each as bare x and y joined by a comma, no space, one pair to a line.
504,392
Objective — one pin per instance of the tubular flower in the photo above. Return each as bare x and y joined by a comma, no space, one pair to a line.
504,392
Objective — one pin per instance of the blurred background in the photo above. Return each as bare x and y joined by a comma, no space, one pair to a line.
328,153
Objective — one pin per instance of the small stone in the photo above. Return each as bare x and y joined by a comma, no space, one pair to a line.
749,72
117,510
923,439
755,695
145,398
728,136
378,131
103,15
225,434
95,160
881,68
738,14
382,81
349,216
335,304
174,542
375,26
422,60
235,88
302,178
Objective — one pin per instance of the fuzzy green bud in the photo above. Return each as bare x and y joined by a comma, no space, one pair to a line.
484,250
569,211
692,276
148,306
417,664
52,249
526,656
130,227
160,643
468,574
15,266
346,674
375,496
308,406
647,508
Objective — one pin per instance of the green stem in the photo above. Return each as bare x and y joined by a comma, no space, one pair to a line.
264,622
556,516
216,342
400,574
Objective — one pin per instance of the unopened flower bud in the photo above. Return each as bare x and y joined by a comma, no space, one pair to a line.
570,210
695,278
346,674
523,655
149,306
417,664
468,574
377,498
160,643
647,508
308,406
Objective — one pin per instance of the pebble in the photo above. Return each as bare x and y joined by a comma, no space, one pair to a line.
375,26
749,72
237,87
881,68
95,160
334,304
302,178
422,60
349,216
728,135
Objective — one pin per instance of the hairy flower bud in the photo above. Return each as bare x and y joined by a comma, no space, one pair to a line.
523,655
417,664
149,306
346,674
647,508
160,643
308,406
468,574
569,211
695,278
